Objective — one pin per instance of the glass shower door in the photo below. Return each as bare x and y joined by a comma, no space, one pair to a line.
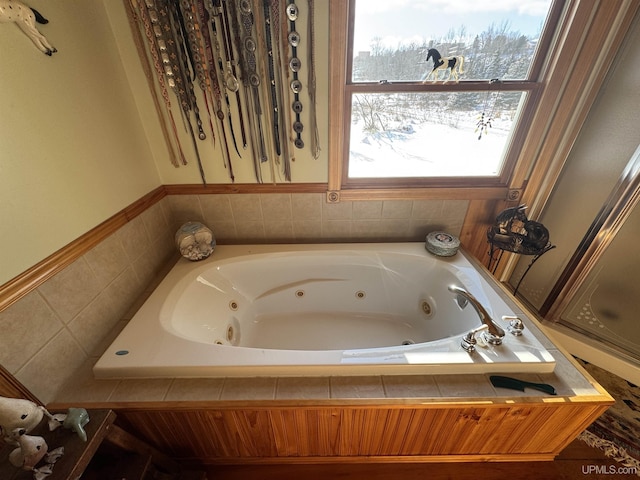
607,304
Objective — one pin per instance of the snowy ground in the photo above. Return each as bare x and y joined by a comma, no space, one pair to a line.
428,150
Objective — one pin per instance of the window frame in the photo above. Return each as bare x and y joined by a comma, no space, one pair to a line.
342,15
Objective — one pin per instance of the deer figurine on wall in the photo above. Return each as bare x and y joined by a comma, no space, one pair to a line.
25,18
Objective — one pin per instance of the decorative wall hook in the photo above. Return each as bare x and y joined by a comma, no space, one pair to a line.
25,17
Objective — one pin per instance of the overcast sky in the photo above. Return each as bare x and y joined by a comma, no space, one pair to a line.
402,21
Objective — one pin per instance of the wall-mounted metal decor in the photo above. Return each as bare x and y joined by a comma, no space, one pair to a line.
514,232
25,17
244,57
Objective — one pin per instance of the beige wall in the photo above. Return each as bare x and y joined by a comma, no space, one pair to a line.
73,150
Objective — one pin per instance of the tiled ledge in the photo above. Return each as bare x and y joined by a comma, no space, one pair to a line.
568,380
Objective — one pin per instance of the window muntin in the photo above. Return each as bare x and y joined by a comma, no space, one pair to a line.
396,119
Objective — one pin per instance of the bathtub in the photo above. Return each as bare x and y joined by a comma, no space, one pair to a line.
305,310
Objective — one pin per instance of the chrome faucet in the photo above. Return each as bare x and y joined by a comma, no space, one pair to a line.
495,333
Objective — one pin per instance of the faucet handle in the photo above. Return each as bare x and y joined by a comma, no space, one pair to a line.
469,341
515,324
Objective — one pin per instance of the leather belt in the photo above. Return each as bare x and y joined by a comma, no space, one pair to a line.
294,65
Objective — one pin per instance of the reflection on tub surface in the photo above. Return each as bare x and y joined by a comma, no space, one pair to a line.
315,309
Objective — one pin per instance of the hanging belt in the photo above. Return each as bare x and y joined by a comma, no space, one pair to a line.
155,55
231,68
294,66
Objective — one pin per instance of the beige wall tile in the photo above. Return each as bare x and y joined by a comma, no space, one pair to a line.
357,387
83,387
336,230
397,230
71,290
299,388
124,291
107,260
310,230
363,230
402,386
216,208
133,237
51,367
307,206
397,208
455,209
251,388
464,386
110,336
276,206
26,327
184,208
426,209
279,231
223,231
195,389
566,378
246,208
250,231
367,210
155,221
91,325
141,389
337,211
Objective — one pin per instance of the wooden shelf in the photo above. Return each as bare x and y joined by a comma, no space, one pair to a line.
109,452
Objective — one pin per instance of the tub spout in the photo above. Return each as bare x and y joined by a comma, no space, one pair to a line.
495,333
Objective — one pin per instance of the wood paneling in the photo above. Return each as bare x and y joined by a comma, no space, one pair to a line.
571,463
421,432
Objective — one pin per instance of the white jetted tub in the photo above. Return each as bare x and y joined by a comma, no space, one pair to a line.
334,309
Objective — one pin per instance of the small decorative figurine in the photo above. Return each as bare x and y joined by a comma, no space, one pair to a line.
31,450
75,420
18,413
453,64
25,18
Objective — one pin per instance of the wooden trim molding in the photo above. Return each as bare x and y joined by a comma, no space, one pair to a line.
221,188
337,73
11,387
18,287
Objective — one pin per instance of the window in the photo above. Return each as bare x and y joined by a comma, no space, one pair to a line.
406,124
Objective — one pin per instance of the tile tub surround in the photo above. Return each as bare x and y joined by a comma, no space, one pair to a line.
50,333
84,389
308,218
